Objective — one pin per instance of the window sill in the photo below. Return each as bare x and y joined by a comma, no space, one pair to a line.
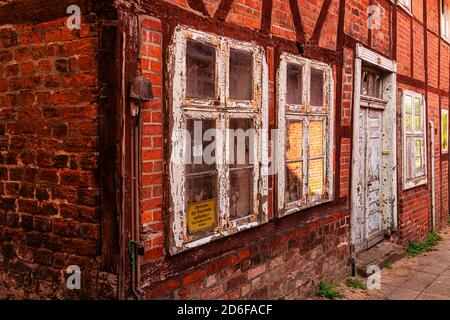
174,250
304,207
419,182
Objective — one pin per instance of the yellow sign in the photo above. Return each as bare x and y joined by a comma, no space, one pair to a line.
202,215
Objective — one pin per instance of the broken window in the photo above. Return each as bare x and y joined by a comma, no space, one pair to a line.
217,185
414,140
305,143
372,84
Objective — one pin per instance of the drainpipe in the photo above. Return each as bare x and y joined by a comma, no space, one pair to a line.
433,195
141,92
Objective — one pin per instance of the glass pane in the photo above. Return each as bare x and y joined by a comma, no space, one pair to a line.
241,193
294,182
316,177
200,146
410,157
418,155
408,105
316,139
200,70
294,84
409,122
378,87
202,203
242,137
408,116
365,84
316,87
417,114
294,140
241,75
444,131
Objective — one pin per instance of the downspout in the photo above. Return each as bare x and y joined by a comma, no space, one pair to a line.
135,245
433,195
141,92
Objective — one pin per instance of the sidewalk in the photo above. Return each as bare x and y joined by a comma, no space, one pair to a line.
426,277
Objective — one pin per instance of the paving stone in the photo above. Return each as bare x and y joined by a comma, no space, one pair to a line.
440,286
419,281
403,294
430,296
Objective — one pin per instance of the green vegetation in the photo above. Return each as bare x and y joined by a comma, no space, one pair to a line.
329,291
388,264
417,248
355,283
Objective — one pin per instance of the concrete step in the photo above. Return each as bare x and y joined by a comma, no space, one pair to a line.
380,255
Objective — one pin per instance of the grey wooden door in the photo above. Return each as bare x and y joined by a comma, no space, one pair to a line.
369,229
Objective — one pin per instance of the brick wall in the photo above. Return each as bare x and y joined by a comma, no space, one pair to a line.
49,191
49,172
152,142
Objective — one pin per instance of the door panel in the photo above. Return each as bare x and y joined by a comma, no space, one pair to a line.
373,168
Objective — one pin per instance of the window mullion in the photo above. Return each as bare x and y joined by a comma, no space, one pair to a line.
223,172
305,158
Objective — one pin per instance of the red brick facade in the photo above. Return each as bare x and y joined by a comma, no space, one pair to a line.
54,185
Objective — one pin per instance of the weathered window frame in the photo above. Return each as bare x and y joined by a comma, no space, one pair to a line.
222,109
419,177
444,133
305,113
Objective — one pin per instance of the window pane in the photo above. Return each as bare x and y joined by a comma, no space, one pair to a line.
202,203
294,140
316,177
418,155
444,130
409,122
242,137
241,75
294,84
241,193
417,114
316,87
316,139
200,146
408,115
200,70
294,182
365,84
410,155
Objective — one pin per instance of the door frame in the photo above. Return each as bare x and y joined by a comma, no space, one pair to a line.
389,146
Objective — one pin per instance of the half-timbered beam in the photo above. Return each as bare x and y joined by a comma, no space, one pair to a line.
199,6
266,16
223,10
298,23
320,22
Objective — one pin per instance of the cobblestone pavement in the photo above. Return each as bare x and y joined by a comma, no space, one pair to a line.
426,277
